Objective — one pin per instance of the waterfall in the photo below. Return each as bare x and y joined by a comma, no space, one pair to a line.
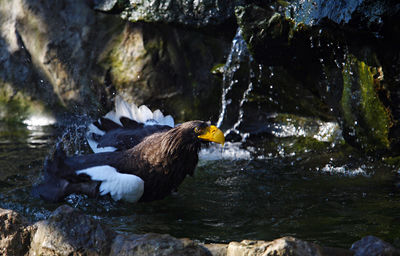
237,84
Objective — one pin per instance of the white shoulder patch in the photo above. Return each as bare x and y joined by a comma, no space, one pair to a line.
140,114
123,186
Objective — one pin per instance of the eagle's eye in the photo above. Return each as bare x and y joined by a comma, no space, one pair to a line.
197,130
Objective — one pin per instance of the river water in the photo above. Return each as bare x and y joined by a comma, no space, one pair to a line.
331,194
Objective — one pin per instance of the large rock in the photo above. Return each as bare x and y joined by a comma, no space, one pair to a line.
68,232
77,61
15,234
51,59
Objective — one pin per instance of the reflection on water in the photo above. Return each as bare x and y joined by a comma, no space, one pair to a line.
332,196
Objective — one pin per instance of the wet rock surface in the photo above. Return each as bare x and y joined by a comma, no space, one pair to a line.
194,13
336,54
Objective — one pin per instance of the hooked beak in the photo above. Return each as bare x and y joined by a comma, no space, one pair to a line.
213,134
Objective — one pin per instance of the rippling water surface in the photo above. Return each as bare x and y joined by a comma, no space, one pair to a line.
332,195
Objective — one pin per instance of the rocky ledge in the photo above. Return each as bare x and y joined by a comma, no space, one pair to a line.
69,232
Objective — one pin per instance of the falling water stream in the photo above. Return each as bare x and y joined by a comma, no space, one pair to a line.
259,187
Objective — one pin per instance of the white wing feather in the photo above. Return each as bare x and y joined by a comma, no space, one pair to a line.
123,186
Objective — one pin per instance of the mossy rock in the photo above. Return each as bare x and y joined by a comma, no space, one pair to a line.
15,106
366,120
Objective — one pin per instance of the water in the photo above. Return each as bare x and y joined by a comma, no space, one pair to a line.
329,195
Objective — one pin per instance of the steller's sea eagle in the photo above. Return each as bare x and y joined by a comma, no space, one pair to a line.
139,155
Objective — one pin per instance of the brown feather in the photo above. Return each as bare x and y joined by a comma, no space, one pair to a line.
162,160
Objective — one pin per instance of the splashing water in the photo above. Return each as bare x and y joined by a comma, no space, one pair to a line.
238,56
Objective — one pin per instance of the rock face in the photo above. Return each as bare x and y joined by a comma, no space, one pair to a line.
194,13
15,234
78,60
166,67
336,54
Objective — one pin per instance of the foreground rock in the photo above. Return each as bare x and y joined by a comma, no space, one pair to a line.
371,245
69,232
15,233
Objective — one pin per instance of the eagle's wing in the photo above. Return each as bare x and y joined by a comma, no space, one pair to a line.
125,127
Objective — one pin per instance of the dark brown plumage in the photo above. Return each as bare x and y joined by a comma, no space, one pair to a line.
156,158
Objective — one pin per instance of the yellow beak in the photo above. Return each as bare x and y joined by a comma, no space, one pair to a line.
213,134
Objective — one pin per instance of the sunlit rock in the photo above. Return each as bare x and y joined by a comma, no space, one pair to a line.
282,246
15,234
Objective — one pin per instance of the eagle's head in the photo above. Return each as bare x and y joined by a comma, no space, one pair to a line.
200,131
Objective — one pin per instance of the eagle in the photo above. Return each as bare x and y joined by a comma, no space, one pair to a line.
139,155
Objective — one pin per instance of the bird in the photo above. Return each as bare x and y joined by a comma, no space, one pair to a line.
138,156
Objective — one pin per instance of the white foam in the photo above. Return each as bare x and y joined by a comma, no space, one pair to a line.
123,186
345,171
230,151
324,131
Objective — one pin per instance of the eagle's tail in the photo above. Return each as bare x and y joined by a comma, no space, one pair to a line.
54,187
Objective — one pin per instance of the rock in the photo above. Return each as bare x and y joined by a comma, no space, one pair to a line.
166,67
195,13
15,234
334,57
105,5
77,61
373,246
17,100
285,246
217,249
48,60
155,244
68,232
